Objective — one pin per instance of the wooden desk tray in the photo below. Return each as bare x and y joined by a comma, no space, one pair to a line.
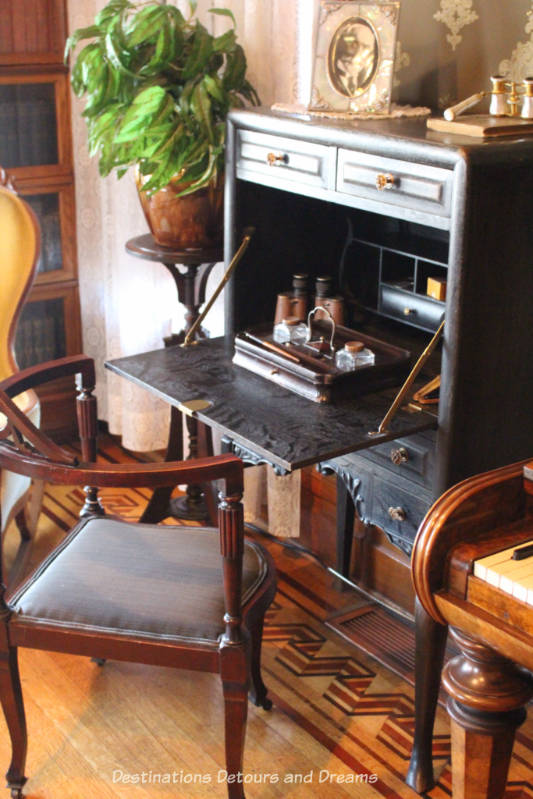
315,376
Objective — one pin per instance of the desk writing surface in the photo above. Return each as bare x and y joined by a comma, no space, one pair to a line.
281,427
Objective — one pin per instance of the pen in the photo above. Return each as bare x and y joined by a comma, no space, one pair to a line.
273,347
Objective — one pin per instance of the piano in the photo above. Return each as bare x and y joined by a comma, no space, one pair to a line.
468,577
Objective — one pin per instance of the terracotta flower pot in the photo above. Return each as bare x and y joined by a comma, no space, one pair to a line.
184,223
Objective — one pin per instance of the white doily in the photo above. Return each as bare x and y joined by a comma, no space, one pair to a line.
395,112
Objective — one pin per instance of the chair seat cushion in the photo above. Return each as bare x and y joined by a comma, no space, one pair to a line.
135,579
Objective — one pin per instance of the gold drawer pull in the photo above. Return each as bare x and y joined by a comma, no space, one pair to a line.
279,158
397,514
384,181
399,455
409,311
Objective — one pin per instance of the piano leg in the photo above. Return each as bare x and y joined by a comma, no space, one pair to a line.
429,657
487,698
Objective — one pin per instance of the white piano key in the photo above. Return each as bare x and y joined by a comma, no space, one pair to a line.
514,578
482,565
524,585
503,575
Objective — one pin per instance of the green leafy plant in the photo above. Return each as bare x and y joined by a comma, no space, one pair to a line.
158,88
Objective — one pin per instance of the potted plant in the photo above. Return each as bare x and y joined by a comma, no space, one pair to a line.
158,87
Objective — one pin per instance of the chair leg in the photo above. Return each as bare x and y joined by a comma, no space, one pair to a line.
235,715
258,690
20,520
13,707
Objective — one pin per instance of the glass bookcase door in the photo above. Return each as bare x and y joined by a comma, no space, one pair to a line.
46,208
28,118
40,333
48,329
54,208
34,124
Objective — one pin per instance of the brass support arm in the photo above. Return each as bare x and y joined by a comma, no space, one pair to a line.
189,338
401,395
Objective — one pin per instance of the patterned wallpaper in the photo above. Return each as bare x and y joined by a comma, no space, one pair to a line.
447,49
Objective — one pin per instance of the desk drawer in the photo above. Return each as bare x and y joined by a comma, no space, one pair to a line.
407,185
407,306
410,457
276,160
398,512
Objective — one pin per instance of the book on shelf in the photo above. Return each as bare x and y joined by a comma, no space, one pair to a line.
9,153
24,349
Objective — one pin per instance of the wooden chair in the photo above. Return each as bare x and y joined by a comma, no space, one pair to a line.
162,595
19,252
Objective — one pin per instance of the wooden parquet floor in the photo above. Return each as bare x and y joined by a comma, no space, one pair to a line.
341,725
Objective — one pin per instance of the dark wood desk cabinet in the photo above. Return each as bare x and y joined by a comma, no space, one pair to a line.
456,208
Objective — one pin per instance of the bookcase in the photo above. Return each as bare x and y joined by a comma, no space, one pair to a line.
36,150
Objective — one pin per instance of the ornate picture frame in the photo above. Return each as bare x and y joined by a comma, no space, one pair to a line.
354,56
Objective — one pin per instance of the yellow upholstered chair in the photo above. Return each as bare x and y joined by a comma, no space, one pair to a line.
19,251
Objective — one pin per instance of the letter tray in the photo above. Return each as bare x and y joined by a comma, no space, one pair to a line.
313,374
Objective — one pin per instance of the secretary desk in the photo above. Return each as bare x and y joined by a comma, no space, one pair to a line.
383,205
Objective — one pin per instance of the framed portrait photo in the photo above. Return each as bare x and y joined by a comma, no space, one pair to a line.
354,56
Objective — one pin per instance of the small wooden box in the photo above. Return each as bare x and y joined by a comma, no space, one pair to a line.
436,288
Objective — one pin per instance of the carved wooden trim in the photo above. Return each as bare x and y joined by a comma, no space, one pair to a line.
231,525
353,482
486,704
249,457
86,411
483,680
462,508
92,505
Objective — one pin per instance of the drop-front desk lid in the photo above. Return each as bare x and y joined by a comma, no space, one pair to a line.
281,427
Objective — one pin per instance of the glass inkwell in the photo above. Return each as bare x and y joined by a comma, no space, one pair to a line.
291,330
352,355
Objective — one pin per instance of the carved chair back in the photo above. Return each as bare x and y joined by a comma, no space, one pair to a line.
20,241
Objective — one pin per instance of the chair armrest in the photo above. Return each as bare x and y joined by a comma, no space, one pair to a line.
42,373
135,475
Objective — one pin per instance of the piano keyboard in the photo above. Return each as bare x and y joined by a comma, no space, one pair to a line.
515,577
